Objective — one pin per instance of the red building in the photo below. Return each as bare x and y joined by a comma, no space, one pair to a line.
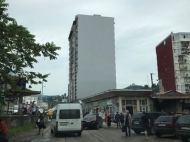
173,61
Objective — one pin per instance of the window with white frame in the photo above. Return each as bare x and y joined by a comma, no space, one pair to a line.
143,105
182,88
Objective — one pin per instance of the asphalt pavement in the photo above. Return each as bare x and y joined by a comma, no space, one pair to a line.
104,134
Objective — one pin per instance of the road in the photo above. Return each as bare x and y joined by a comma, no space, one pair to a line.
102,135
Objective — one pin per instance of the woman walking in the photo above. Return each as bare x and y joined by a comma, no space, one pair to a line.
109,121
106,118
41,124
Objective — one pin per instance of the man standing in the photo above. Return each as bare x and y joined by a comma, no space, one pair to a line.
121,119
146,124
128,122
117,117
3,131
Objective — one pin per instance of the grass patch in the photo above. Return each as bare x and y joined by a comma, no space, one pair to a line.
16,130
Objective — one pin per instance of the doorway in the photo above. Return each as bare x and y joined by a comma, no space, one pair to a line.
130,109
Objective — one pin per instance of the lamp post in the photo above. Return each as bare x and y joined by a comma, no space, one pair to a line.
42,93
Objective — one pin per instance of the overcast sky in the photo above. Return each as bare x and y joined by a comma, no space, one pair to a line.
139,26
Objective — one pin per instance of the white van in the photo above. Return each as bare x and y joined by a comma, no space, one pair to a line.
67,118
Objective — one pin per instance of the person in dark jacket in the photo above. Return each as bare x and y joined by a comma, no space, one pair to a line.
146,124
122,119
109,120
41,124
117,118
3,131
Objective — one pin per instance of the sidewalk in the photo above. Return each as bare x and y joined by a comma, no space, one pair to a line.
28,136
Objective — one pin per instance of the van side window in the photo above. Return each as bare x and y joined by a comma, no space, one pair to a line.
54,114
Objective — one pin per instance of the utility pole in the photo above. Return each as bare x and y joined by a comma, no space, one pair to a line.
151,80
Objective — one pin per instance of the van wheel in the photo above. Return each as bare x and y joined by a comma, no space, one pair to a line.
79,133
54,133
137,132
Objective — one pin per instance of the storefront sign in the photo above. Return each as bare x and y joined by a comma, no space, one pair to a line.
187,101
89,105
109,102
104,103
95,104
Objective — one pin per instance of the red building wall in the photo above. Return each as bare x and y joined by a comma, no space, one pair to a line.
165,63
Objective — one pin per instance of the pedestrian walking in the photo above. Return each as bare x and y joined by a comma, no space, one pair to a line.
146,124
128,122
117,118
41,124
122,119
106,118
3,131
109,121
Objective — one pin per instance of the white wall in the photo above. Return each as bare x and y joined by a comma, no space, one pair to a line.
96,55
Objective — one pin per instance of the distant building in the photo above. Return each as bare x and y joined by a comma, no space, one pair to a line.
173,61
91,56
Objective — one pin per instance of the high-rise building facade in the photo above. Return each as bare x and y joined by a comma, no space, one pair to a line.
173,61
91,56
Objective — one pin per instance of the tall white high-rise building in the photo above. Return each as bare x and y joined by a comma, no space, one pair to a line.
91,56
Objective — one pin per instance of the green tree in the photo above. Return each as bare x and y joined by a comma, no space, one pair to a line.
155,88
18,50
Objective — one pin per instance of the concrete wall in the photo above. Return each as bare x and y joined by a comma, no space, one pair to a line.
15,121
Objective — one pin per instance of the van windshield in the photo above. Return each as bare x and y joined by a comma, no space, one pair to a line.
69,114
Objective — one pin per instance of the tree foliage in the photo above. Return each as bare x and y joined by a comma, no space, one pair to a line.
18,51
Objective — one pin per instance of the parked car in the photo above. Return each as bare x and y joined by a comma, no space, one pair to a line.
182,127
165,125
92,121
137,123
15,109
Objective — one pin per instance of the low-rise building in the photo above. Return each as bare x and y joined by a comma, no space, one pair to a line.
171,102
120,100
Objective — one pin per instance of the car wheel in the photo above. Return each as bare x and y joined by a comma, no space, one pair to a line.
158,134
152,131
137,132
184,139
51,131
97,126
79,133
102,125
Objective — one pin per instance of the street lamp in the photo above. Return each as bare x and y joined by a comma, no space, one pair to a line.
42,93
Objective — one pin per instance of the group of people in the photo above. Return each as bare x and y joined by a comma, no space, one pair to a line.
29,108
4,129
126,122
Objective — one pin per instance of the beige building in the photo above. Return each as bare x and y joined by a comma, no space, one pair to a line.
120,100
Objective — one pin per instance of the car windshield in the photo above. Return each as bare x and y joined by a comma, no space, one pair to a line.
184,119
164,119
